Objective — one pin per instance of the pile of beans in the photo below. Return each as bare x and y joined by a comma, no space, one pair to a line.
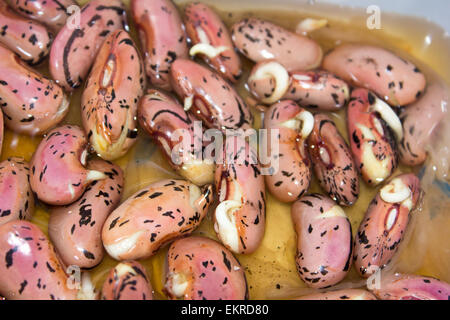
184,73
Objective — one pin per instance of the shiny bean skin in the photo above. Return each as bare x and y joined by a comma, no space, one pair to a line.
127,281
30,268
384,225
211,40
293,176
1,131
239,219
316,89
28,38
345,294
58,175
162,117
74,49
324,240
261,40
31,103
332,161
372,142
394,79
75,229
420,121
16,197
199,268
412,287
51,13
163,38
154,216
209,97
112,91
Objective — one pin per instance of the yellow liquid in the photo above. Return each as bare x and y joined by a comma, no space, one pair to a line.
271,272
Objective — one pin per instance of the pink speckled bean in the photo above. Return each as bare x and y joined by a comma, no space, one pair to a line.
74,49
30,268
420,121
28,38
1,132
163,118
205,28
372,142
240,218
412,287
384,225
333,163
127,281
261,40
154,216
209,97
75,230
316,89
394,79
52,13
16,197
200,268
58,175
31,103
112,91
162,35
294,174
324,241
